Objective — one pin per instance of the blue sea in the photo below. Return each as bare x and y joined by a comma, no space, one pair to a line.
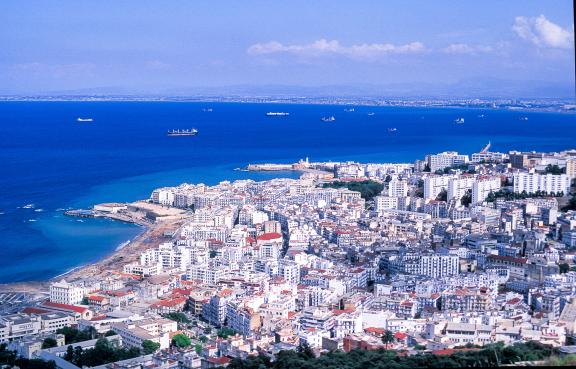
49,162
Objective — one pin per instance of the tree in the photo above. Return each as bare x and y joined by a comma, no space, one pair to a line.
149,347
69,353
226,332
387,338
443,195
177,317
305,351
571,204
198,348
109,333
181,340
49,342
467,198
564,268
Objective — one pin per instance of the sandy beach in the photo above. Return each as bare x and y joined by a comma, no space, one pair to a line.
154,233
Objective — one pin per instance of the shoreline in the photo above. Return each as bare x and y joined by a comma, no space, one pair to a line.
152,235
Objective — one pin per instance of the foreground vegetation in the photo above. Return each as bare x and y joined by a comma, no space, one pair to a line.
489,356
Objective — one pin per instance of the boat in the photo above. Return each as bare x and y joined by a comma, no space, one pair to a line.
350,110
481,116
392,129
328,119
183,132
84,120
523,118
370,114
459,121
276,114
28,206
207,109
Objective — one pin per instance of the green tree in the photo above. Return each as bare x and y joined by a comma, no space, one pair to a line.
387,338
177,317
109,333
443,195
49,343
198,348
149,347
564,268
467,198
305,351
226,332
181,340
69,353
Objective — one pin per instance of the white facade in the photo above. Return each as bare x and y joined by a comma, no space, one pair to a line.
66,293
397,188
386,202
445,159
457,187
482,188
532,182
433,185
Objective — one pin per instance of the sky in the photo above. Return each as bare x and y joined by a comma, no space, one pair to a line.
173,47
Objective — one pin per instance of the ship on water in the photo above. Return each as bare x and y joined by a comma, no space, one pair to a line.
276,114
328,119
459,121
183,132
84,120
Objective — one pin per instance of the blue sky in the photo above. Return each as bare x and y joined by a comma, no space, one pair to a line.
159,46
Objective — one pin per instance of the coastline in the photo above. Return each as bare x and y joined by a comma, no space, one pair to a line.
151,235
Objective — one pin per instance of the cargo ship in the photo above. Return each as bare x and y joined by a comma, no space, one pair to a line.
84,120
183,132
328,119
276,114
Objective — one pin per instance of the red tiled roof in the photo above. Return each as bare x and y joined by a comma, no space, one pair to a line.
33,310
374,330
400,335
219,360
96,298
55,305
269,236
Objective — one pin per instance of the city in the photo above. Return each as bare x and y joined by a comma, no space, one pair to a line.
446,254
287,184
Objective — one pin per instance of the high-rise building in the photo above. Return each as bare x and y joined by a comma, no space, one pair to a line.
532,182
433,185
445,159
483,186
457,187
571,168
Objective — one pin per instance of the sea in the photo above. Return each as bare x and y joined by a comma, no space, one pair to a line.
49,162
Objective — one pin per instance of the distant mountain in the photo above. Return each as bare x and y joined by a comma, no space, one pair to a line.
471,88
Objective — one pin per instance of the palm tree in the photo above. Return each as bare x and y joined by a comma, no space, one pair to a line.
387,337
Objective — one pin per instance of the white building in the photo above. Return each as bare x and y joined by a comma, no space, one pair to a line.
386,202
483,186
397,188
66,293
532,182
433,185
445,159
457,187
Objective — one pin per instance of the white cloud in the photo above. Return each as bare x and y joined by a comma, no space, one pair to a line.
541,32
324,47
467,49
